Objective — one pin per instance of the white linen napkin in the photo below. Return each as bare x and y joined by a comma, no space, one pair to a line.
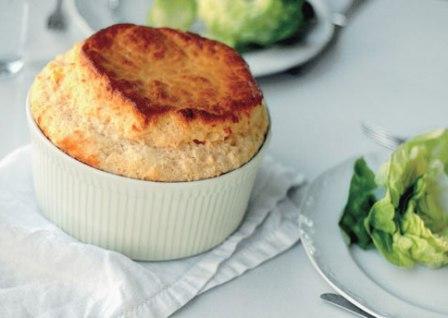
45,272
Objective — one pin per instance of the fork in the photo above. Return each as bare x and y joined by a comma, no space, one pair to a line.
339,301
56,20
381,136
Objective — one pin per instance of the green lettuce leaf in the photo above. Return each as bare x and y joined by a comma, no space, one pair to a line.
178,14
239,23
409,225
360,200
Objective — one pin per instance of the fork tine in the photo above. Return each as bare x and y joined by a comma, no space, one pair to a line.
394,139
56,20
384,142
381,136
376,134
382,139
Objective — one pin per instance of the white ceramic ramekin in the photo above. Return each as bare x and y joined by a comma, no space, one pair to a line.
144,220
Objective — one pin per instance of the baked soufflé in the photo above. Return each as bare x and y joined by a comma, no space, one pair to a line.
151,103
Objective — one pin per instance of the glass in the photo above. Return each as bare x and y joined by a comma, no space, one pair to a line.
13,25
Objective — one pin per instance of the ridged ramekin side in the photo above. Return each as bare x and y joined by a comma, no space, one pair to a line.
141,219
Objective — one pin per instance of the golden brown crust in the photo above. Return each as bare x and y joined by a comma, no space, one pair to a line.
165,70
80,110
75,145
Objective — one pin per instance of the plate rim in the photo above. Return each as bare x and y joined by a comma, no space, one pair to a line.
320,6
325,17
341,287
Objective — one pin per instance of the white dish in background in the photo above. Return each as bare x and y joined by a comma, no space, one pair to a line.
364,277
92,16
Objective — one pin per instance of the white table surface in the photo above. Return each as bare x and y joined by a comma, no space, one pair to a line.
389,66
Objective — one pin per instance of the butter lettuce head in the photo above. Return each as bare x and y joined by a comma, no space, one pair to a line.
409,225
242,22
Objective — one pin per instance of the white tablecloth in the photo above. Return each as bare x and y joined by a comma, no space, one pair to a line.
45,272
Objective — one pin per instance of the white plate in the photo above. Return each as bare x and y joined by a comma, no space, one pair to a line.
364,277
92,16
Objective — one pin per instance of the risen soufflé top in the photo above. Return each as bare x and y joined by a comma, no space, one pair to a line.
151,103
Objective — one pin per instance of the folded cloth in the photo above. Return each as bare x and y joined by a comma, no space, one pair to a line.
45,272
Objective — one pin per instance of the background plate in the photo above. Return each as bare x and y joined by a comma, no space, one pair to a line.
92,16
364,277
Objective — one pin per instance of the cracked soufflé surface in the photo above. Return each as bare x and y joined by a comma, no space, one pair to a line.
152,104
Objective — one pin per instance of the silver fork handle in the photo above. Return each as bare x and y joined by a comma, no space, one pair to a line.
58,6
341,302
